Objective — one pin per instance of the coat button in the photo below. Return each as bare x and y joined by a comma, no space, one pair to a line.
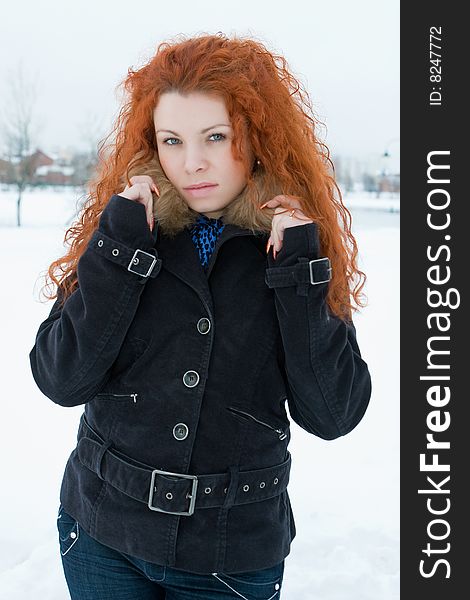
180,431
203,325
191,379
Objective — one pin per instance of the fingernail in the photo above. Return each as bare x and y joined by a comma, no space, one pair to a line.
263,205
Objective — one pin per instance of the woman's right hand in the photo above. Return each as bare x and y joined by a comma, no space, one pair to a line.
141,191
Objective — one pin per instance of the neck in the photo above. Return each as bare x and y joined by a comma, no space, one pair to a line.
213,215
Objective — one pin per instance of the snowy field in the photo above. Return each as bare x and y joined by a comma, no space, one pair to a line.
344,493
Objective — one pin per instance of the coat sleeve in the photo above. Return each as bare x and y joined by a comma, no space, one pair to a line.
77,344
328,382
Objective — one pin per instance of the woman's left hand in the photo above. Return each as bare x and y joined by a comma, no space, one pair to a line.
287,213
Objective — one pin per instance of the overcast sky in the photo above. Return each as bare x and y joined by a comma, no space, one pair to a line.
345,53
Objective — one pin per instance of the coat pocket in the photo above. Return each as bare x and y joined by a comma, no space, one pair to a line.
249,417
118,397
110,411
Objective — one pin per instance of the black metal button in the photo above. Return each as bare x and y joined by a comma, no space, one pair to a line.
191,378
180,431
203,325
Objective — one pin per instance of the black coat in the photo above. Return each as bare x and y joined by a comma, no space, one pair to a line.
188,372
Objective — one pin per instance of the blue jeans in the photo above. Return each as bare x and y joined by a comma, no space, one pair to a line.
96,572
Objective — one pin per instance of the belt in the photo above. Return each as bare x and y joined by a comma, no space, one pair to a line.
303,274
142,263
177,493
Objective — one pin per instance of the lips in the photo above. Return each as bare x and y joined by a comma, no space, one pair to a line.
199,186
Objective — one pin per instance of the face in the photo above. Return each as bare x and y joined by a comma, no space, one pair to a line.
194,138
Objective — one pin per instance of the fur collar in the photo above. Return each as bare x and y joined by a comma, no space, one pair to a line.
173,213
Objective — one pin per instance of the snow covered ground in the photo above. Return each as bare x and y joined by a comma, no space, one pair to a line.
344,493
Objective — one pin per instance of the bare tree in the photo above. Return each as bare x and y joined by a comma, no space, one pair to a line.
91,132
18,130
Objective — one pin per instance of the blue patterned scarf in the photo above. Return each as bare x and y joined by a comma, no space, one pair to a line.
204,234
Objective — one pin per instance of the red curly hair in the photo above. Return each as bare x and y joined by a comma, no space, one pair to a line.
268,106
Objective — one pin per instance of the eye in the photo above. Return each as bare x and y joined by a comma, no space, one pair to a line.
222,136
169,139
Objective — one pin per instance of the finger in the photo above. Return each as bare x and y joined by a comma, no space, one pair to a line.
268,245
270,203
148,204
275,237
151,206
282,200
141,179
146,179
289,201
145,198
276,247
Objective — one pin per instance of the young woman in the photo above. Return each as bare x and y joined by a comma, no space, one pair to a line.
208,283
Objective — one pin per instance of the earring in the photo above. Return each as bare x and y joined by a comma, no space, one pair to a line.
258,162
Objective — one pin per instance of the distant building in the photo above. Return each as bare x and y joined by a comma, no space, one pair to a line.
40,159
53,175
389,182
39,168
6,171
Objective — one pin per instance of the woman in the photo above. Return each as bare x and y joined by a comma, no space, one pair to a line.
207,283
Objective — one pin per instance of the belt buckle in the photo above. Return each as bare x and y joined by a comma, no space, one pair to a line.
311,272
192,496
131,262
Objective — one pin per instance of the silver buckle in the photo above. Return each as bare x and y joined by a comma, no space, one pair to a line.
311,272
192,496
135,256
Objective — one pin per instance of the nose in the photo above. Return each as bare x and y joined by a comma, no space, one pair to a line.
195,160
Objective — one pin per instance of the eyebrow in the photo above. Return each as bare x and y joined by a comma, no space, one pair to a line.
203,131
